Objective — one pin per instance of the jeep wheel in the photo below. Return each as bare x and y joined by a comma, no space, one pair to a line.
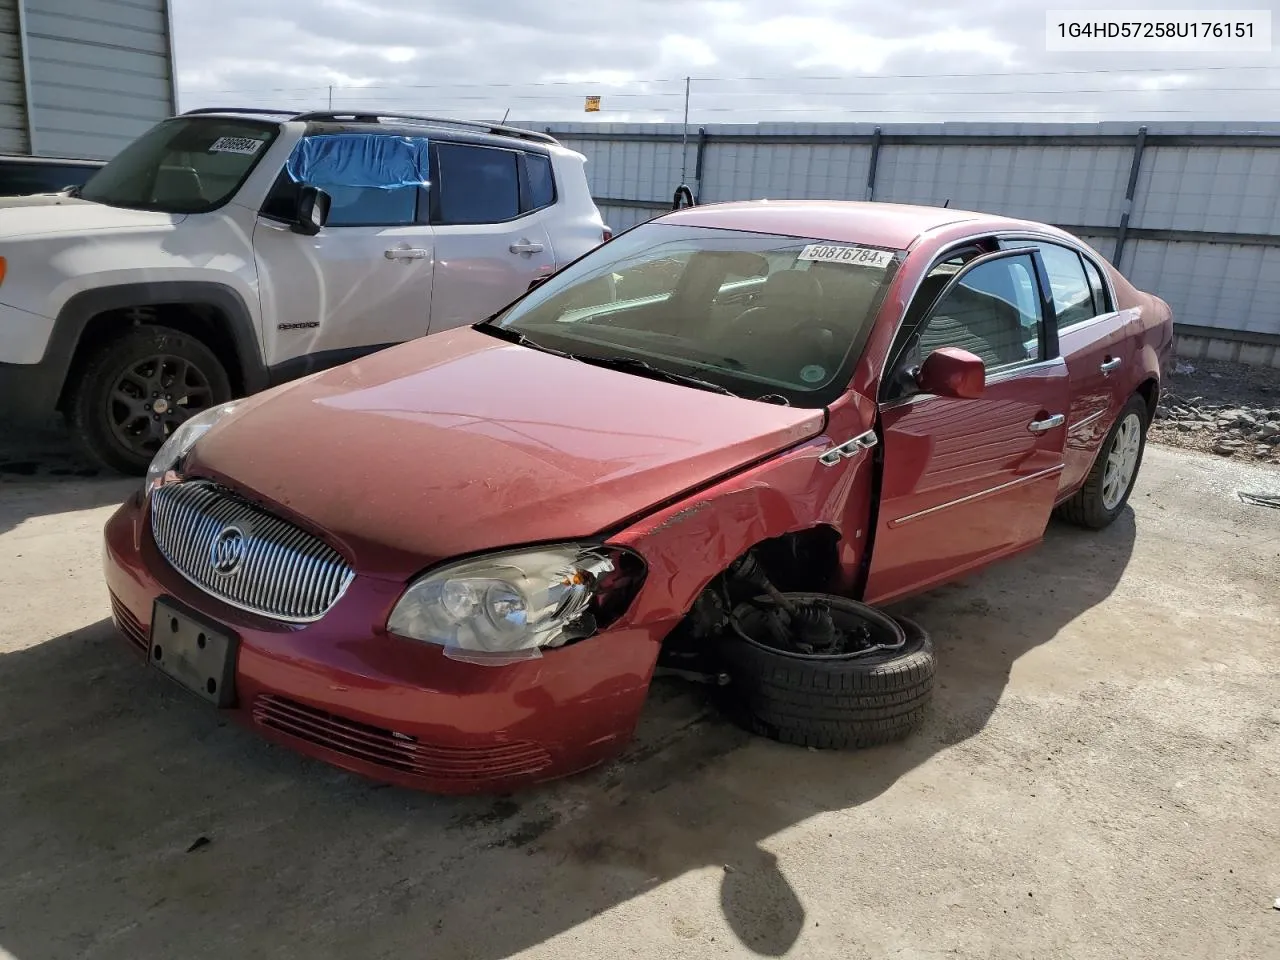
136,389
1110,481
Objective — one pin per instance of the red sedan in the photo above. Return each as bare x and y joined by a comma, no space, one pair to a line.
713,443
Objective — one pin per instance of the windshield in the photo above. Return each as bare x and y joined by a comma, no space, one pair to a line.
185,165
765,316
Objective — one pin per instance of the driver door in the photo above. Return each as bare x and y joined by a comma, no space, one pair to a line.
966,481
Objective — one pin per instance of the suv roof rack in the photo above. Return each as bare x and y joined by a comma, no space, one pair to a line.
255,110
375,116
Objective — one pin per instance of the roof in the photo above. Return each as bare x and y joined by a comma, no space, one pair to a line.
892,225
379,118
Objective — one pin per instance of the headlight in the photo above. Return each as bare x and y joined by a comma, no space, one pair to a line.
180,442
508,606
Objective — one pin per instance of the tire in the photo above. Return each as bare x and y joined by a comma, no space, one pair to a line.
123,431
830,702
1093,506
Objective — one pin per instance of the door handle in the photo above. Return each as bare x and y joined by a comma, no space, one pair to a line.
526,246
1110,365
1047,424
406,253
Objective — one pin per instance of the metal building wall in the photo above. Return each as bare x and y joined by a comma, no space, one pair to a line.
99,73
1203,223
13,97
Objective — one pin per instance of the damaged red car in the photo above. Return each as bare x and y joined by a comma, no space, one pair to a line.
715,445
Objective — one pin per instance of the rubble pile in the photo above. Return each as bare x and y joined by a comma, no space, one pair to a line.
1227,429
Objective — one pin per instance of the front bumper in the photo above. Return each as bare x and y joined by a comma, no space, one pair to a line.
344,691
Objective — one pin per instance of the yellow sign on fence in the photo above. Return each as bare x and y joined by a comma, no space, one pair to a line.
593,105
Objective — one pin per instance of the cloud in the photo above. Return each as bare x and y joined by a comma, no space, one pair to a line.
926,60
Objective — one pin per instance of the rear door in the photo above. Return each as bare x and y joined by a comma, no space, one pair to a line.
491,238
967,481
1092,339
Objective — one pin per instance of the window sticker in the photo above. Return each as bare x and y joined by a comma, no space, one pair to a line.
855,256
245,146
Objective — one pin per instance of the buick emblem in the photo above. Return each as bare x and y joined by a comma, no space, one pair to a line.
227,552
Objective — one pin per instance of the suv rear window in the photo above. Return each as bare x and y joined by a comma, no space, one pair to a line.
540,189
476,184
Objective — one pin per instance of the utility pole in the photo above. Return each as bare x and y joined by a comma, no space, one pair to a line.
331,96
684,141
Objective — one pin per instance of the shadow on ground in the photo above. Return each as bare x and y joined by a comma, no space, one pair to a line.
113,779
41,472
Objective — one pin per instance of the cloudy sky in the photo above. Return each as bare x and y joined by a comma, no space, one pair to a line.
750,60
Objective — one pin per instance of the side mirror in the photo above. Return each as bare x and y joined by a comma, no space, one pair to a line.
313,211
952,372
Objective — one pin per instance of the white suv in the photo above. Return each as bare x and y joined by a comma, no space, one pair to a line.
225,251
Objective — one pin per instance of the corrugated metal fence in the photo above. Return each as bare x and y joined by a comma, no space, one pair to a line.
1190,210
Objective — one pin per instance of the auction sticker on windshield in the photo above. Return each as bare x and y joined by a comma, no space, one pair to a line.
858,256
242,145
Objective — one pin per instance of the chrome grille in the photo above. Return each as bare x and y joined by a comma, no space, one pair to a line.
276,569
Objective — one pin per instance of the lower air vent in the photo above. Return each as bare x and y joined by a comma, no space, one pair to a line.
128,624
398,751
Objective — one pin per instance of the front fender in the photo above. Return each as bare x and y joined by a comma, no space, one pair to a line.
687,544
78,311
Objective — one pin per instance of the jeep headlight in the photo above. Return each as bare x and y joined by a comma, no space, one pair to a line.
180,442
508,606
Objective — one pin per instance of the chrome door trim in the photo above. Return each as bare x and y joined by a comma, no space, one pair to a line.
1084,422
1000,375
1038,475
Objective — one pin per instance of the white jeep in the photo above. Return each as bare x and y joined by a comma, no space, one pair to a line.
225,251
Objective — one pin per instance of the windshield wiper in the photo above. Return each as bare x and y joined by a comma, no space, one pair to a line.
515,336
636,365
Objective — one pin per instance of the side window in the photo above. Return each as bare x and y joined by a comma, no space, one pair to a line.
931,286
372,206
993,312
1101,302
540,185
476,184
1072,294
20,179
373,180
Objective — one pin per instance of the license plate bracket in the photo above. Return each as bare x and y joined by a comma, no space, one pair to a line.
198,655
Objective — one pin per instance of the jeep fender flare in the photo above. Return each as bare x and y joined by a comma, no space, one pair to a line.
81,308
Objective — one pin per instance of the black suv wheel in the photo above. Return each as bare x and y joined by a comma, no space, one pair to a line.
137,389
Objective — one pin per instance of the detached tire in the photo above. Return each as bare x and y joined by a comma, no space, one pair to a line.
136,388
1115,470
830,702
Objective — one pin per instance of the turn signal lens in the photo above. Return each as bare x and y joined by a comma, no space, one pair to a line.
4,268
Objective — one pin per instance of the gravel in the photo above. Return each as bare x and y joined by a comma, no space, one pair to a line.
1229,409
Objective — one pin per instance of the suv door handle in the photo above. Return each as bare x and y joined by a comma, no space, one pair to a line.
526,246
406,253
1047,424
1110,365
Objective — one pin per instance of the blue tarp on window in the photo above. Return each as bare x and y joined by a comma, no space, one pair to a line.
359,160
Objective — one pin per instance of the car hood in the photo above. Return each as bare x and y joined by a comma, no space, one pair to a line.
459,443
46,214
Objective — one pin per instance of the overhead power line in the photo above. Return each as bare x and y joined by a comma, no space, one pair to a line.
846,78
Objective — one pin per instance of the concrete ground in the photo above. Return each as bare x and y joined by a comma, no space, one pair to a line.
1098,779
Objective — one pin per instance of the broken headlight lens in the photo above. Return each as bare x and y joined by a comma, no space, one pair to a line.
505,607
